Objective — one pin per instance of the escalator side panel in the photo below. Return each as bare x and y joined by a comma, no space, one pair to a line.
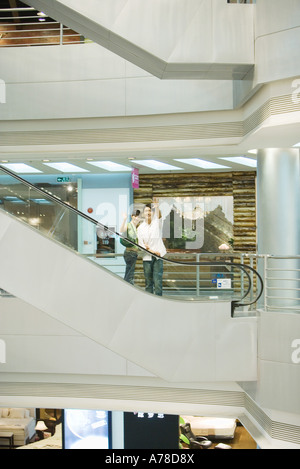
172,339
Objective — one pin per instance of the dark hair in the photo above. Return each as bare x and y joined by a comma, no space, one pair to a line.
135,213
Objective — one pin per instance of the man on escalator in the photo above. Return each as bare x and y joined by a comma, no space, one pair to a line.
150,238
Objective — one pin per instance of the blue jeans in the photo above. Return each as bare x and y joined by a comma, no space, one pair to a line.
153,271
130,258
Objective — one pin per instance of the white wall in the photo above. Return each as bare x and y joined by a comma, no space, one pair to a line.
80,81
279,364
277,42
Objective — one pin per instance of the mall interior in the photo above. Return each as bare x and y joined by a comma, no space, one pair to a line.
192,106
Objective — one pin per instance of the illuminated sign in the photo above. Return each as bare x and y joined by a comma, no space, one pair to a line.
135,178
63,179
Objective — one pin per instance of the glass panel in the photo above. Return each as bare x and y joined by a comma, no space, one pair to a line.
39,210
188,276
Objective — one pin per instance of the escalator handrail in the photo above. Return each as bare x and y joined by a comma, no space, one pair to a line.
115,233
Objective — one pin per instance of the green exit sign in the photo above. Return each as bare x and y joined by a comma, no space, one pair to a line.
63,179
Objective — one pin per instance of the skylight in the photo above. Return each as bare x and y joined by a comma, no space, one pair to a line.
66,167
20,168
157,165
201,163
110,165
241,160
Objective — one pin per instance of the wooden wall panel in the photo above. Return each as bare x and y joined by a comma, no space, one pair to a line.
241,185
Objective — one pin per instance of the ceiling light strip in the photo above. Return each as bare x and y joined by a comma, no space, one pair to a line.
203,164
66,167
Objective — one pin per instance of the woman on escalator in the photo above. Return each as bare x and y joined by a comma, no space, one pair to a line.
129,231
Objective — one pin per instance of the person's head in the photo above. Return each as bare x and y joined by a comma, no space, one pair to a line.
135,217
148,213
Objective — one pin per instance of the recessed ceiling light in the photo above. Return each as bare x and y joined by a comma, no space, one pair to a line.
110,166
201,163
157,165
66,168
253,152
297,145
21,168
241,160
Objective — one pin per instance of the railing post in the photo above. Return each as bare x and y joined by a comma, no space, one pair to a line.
251,276
242,274
198,275
61,34
265,267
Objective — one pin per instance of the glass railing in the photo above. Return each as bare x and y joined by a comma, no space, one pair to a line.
187,276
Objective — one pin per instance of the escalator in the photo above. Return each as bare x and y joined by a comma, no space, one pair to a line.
47,267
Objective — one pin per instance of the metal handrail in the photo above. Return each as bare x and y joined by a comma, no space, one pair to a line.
26,22
17,9
243,267
280,283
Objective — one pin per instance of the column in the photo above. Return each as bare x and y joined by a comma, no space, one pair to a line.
278,222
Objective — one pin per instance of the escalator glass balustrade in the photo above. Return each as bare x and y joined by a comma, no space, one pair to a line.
189,276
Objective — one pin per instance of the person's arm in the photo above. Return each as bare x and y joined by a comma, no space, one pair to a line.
155,252
123,227
157,212
157,216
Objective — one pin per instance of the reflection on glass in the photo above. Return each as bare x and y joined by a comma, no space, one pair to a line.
197,223
86,429
39,210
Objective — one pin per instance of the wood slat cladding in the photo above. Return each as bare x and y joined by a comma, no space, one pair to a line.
244,197
240,185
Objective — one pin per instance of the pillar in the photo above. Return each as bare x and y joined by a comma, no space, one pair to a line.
278,222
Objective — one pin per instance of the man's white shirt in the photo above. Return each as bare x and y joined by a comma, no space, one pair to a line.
151,235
